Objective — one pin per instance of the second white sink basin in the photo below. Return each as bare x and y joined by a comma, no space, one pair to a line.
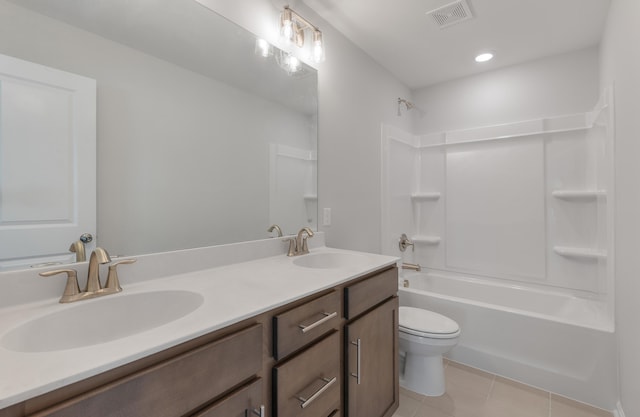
101,320
330,260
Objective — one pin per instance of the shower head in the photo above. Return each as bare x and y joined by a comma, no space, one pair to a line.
407,104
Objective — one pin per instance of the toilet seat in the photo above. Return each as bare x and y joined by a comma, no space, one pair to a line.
425,323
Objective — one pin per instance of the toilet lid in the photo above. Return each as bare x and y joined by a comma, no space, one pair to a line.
419,322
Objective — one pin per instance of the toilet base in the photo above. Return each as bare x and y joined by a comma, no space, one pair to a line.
424,374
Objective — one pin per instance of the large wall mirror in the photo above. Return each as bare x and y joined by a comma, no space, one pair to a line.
203,136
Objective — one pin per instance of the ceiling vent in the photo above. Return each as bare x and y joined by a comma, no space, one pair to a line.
451,14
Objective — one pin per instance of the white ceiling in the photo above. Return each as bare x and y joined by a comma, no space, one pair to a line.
402,38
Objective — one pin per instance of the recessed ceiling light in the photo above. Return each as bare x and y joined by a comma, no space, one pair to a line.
484,57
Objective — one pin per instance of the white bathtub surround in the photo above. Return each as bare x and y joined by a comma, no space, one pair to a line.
513,226
550,340
258,273
528,201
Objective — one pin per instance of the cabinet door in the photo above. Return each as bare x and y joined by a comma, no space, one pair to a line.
372,362
244,402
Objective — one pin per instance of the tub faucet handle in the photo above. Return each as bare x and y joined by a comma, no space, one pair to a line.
404,243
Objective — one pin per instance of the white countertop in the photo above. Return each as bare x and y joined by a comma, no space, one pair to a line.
231,294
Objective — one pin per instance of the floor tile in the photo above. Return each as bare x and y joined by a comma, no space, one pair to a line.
564,407
511,399
427,411
466,391
466,379
474,393
408,405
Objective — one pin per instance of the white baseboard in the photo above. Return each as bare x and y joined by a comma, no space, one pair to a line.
618,412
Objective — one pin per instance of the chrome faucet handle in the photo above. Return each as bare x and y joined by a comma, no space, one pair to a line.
72,289
113,282
404,243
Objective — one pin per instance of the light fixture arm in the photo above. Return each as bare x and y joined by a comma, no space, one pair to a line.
292,27
301,21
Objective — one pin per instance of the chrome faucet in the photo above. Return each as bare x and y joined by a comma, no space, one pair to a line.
276,228
411,267
93,288
298,246
78,248
98,256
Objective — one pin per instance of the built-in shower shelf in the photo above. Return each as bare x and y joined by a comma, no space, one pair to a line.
426,240
583,253
310,197
578,194
433,196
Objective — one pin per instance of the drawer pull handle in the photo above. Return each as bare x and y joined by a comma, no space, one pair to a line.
307,401
312,326
259,411
357,344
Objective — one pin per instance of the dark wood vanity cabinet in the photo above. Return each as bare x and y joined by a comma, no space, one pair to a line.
332,354
371,346
179,386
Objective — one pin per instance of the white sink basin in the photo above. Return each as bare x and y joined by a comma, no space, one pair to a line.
101,320
330,260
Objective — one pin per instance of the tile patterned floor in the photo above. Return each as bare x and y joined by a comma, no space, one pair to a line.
474,393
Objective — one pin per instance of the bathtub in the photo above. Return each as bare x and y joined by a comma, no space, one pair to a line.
550,340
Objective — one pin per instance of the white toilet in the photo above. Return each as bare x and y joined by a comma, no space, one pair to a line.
424,337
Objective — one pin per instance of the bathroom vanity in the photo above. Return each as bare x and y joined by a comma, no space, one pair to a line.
318,339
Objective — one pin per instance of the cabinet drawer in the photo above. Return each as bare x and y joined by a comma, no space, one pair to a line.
302,325
174,387
241,403
363,295
309,383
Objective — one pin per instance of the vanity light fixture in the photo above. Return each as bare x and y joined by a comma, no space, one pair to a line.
292,28
484,57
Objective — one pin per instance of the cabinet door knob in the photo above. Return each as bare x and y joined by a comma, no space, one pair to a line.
305,402
326,318
357,344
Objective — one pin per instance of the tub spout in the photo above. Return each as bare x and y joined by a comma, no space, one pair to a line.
412,267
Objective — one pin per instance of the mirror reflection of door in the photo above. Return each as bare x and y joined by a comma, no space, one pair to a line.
47,162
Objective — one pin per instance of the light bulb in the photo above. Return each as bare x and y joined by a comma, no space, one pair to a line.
286,26
294,64
263,48
318,47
